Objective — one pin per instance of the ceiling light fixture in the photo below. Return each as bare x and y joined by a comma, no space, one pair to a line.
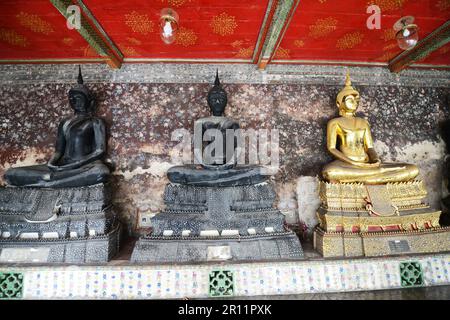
407,33
168,24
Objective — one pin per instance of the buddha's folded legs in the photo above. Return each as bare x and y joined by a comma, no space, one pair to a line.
42,176
23,176
339,171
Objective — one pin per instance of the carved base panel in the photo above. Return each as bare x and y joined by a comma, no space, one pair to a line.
372,244
95,249
385,199
57,225
279,246
346,221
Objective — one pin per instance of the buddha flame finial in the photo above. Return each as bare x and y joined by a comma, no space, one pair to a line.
80,76
348,82
217,97
346,91
217,81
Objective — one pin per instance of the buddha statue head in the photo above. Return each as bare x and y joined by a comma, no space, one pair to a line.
80,98
217,98
348,98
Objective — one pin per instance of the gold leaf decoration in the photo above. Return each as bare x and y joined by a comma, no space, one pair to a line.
185,37
282,53
386,5
139,23
68,41
223,24
176,3
322,27
299,43
389,34
237,44
34,23
89,52
12,37
443,5
390,46
350,40
135,41
129,51
245,53
387,56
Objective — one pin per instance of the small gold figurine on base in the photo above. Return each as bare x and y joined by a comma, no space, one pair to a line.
369,208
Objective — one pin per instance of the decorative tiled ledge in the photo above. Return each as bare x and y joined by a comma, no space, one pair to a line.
229,73
120,281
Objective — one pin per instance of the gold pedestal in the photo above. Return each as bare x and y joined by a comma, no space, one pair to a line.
367,220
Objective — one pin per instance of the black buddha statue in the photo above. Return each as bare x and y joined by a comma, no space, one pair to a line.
208,129
218,209
80,146
217,159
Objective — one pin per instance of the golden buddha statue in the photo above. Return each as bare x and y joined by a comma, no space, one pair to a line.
350,141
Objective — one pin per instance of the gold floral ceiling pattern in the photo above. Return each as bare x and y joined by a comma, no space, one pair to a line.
139,23
223,24
13,38
322,27
68,41
282,53
34,23
350,40
134,41
175,3
245,53
443,5
129,51
299,43
387,5
185,37
322,30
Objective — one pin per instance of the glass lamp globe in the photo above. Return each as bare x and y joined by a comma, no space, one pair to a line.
168,24
407,33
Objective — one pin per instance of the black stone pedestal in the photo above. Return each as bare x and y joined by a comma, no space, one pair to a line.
201,223
64,225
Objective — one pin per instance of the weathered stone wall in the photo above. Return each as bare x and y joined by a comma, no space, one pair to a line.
142,116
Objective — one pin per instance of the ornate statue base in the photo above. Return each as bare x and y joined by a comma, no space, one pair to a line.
62,225
377,220
204,223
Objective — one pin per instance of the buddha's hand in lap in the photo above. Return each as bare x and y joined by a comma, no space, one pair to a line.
366,165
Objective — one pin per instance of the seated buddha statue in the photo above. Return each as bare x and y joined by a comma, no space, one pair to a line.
216,161
80,146
349,140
